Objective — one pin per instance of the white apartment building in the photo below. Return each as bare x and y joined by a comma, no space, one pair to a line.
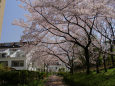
12,56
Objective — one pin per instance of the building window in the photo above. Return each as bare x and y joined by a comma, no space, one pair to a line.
56,68
19,63
57,63
4,55
7,44
4,63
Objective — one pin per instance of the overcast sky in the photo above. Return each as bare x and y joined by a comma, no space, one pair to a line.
11,33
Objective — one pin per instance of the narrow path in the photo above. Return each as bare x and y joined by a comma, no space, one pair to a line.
55,81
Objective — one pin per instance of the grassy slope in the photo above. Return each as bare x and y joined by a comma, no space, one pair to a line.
101,79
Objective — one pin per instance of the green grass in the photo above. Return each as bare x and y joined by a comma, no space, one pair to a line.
93,79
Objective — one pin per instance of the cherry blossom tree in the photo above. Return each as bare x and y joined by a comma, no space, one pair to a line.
69,20
108,32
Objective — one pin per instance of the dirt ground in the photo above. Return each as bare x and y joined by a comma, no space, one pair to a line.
55,81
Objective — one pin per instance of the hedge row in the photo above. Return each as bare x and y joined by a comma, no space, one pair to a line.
21,77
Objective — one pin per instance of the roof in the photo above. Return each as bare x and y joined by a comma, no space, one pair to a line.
11,45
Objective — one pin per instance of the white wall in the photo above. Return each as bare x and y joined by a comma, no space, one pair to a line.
15,59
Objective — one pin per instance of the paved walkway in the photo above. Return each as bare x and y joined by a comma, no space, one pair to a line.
55,81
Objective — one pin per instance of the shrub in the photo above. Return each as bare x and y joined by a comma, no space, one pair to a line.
20,77
93,79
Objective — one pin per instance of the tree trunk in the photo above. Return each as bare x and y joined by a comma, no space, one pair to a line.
47,69
72,69
87,60
97,65
44,67
104,63
112,59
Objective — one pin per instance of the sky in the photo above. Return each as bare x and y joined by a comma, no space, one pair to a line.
11,33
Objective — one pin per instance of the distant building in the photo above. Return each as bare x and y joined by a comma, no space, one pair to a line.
57,67
12,56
